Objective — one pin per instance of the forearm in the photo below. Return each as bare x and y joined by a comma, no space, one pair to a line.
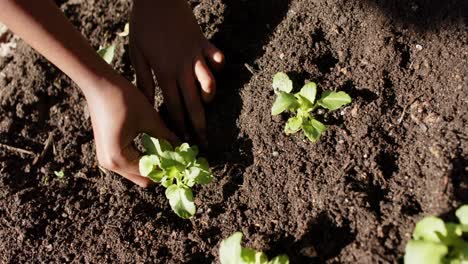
42,25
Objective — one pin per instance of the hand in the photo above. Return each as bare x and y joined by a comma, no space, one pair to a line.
119,112
166,39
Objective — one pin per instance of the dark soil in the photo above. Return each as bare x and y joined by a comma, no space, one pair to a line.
396,154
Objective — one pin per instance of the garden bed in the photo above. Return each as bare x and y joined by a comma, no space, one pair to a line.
397,153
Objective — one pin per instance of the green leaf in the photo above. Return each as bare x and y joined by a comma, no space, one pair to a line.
156,175
147,164
283,102
281,82
167,181
250,256
453,236
334,100
304,104
169,159
230,249
281,259
309,91
313,129
59,174
155,146
181,200
462,214
125,32
188,153
107,53
202,163
424,252
198,175
430,229
293,125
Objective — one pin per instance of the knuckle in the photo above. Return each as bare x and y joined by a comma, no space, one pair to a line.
111,161
210,83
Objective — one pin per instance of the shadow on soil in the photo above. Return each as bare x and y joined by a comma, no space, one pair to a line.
320,242
242,35
458,175
423,15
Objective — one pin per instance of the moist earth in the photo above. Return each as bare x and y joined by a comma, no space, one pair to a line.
394,155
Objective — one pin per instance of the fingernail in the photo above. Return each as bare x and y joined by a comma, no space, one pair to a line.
218,57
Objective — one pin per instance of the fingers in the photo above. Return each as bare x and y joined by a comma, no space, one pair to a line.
174,105
137,179
214,56
206,80
144,75
193,103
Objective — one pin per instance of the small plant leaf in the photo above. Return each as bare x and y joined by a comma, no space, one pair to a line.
313,129
309,91
334,100
107,53
147,164
430,229
125,32
250,256
424,252
181,200
198,175
169,159
59,174
156,175
462,214
281,82
283,102
304,104
293,125
188,153
281,259
155,146
166,181
230,249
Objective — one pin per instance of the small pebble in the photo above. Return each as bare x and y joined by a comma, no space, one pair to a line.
49,247
419,47
365,156
275,153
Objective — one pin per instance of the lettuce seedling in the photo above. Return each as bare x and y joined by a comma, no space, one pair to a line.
302,105
107,53
231,252
437,242
176,169
59,174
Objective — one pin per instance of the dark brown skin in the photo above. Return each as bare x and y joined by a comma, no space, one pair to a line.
165,39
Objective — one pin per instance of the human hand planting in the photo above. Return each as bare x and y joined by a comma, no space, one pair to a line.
166,39
119,112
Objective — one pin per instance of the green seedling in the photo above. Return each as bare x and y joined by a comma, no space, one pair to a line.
302,105
176,169
59,174
231,252
125,32
437,242
107,53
